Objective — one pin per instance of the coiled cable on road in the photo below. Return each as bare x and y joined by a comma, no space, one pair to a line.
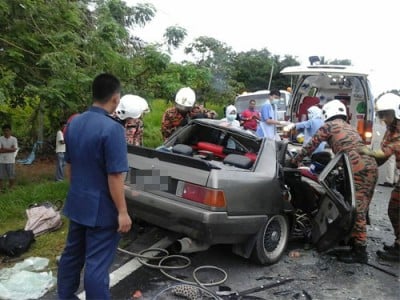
196,283
140,256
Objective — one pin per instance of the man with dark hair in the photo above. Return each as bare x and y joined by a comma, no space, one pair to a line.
8,151
269,119
96,156
250,117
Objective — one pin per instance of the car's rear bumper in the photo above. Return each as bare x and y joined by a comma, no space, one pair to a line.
213,227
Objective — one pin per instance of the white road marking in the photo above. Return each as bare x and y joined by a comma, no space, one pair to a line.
128,268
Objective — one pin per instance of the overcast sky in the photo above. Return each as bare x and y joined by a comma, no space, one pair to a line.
366,32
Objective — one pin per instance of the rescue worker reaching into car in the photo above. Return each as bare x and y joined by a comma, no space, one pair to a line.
342,137
388,110
130,111
310,126
184,110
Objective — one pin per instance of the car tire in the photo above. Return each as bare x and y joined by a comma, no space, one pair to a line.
271,240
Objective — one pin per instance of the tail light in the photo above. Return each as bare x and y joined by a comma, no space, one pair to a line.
200,194
364,128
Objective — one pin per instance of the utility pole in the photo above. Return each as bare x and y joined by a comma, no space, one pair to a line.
270,76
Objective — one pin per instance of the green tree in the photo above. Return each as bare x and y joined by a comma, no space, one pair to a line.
51,50
174,36
218,58
260,70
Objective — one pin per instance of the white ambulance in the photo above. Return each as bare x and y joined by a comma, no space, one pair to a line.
319,84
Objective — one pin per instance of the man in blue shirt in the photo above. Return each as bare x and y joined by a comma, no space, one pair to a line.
96,156
267,125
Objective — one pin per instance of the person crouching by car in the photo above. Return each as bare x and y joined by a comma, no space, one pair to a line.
388,110
130,111
342,137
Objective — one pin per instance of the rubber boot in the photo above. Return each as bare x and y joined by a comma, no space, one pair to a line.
390,253
358,254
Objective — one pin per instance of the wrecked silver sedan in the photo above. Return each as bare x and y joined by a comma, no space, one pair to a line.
215,184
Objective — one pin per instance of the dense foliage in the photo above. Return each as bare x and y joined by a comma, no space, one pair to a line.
51,50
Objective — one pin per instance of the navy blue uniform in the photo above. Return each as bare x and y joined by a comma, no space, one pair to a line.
96,147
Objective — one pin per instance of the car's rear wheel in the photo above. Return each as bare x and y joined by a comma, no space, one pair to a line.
271,240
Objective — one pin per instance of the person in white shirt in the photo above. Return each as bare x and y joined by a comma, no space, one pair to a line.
8,149
60,151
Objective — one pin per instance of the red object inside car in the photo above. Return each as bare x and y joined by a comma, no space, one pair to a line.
218,150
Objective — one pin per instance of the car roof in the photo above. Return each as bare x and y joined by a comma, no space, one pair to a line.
324,69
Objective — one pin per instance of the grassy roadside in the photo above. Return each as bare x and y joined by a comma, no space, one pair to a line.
34,184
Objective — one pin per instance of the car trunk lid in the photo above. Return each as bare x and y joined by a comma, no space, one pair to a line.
173,176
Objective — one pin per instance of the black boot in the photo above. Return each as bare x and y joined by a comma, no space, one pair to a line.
358,254
391,253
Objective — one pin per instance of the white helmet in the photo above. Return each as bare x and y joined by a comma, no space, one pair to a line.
333,108
131,106
314,112
389,101
185,97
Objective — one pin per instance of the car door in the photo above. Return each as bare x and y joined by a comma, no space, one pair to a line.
336,214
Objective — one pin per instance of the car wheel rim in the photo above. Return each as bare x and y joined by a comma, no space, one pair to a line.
274,235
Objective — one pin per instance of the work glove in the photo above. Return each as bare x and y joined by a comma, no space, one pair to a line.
379,155
365,150
289,127
374,153
283,123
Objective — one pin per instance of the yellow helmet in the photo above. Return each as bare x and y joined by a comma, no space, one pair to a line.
300,138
